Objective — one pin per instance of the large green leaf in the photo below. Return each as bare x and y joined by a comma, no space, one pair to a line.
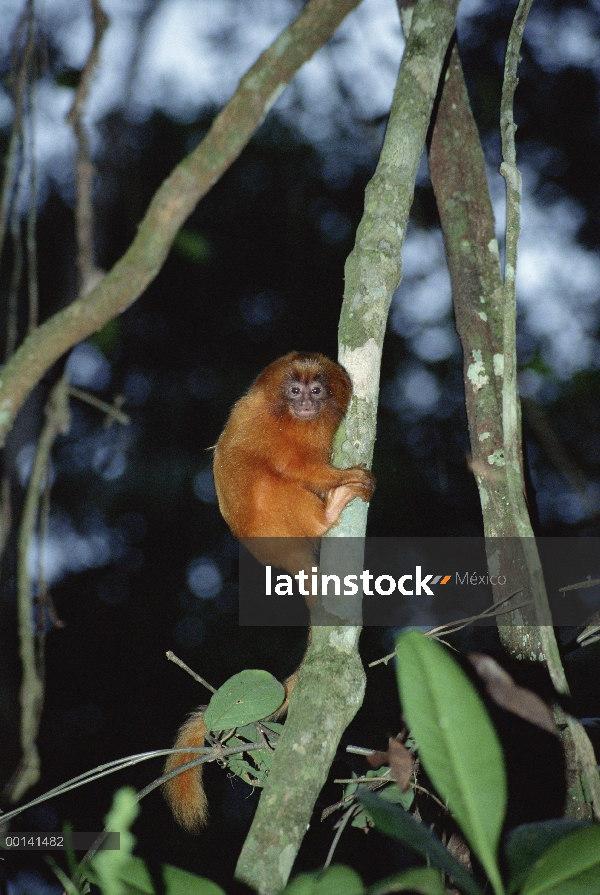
527,843
136,880
397,823
182,882
424,880
571,867
248,696
335,880
456,741
107,865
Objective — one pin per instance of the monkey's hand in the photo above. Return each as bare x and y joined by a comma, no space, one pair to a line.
354,482
361,479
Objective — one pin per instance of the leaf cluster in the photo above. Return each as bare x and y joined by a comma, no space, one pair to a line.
460,750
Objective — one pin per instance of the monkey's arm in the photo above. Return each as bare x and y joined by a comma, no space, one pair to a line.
322,478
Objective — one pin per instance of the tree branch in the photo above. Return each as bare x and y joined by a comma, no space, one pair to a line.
84,167
172,204
32,682
331,681
485,317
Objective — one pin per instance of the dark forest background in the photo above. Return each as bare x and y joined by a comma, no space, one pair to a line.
139,559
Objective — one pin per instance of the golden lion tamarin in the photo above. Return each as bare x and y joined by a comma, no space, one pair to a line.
274,479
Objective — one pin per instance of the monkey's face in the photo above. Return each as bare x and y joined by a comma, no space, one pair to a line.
305,399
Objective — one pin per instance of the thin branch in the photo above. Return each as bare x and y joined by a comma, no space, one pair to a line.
206,753
31,241
200,680
5,514
508,129
341,826
14,154
12,301
172,204
84,168
460,623
556,451
90,776
511,416
43,597
32,682
109,409
12,187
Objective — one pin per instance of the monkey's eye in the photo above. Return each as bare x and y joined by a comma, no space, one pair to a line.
295,390
316,390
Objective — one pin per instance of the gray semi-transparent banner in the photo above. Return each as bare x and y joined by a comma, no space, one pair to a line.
414,581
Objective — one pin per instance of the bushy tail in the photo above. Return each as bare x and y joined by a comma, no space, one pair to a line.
185,792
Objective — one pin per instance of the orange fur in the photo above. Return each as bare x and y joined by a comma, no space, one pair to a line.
185,792
273,471
274,480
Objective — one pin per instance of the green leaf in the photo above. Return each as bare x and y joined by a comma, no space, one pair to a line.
362,821
245,771
248,696
336,880
249,733
303,884
527,843
136,880
275,727
181,882
570,867
71,857
393,793
350,789
457,743
339,880
271,731
108,865
397,823
135,877
118,872
192,245
68,885
109,337
425,880
252,767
